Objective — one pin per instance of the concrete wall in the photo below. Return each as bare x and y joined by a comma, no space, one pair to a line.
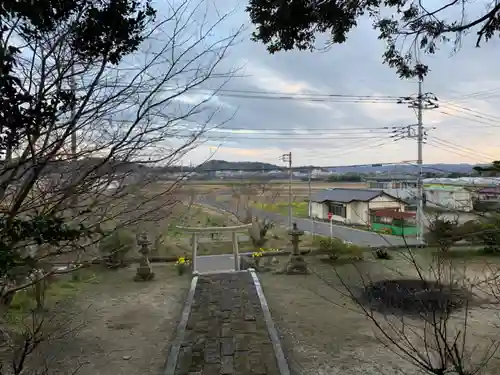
319,210
357,213
460,200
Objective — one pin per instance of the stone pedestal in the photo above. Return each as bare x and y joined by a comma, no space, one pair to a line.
144,271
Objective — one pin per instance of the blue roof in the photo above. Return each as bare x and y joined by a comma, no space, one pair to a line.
344,195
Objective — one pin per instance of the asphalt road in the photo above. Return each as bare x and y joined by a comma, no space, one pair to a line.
356,236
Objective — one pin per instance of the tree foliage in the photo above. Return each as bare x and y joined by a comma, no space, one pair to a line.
294,24
96,33
491,170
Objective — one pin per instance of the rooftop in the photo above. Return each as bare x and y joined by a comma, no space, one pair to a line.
394,178
345,195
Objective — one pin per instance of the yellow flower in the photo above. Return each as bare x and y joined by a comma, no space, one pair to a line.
181,261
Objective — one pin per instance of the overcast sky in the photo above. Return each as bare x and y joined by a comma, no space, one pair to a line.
327,132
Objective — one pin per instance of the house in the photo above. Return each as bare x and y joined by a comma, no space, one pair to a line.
459,194
352,206
403,187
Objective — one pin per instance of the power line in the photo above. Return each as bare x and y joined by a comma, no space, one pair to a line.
262,92
469,119
454,145
374,129
474,95
473,113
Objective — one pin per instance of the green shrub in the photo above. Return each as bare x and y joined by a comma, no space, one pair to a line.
442,233
470,230
336,248
115,247
490,236
382,254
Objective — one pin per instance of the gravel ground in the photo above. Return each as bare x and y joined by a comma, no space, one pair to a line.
325,333
121,326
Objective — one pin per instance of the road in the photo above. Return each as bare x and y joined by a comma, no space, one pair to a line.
356,236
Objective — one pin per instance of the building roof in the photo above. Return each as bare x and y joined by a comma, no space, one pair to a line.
345,195
393,178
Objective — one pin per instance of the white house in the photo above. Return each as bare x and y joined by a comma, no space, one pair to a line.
352,206
456,193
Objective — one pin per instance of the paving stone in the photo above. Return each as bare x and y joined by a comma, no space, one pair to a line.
226,331
211,369
227,366
212,351
227,346
240,363
184,361
242,342
199,344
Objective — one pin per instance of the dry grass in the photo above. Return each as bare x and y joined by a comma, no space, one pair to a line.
324,332
122,327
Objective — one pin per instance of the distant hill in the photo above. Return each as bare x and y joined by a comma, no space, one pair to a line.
214,165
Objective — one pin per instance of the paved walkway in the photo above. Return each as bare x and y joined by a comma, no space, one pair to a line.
226,332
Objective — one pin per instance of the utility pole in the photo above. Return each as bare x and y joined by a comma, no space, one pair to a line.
74,198
309,206
74,175
287,158
420,187
421,102
309,188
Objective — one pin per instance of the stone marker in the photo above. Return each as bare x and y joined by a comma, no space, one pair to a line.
144,271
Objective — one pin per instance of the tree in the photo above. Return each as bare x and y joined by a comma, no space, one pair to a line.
490,170
92,104
242,196
406,26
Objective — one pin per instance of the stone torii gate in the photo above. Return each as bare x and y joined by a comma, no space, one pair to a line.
214,259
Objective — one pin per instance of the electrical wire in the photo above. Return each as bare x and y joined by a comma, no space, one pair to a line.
454,145
468,118
474,95
442,146
474,113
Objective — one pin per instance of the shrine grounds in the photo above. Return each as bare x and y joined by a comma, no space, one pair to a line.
106,323
123,327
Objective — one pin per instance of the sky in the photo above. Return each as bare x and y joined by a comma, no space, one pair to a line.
327,132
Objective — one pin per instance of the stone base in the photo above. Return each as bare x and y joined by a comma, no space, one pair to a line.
144,273
296,264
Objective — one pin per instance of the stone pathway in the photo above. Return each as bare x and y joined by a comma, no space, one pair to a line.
226,332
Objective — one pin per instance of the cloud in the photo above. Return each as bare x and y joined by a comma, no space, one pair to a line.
328,130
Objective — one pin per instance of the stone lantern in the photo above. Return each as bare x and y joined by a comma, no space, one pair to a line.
144,271
296,263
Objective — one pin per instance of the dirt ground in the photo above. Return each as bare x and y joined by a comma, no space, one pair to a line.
120,326
325,333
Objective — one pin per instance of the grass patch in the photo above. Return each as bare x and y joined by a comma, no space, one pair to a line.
58,291
299,209
464,253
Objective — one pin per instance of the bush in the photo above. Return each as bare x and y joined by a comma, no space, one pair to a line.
336,248
385,231
442,233
115,247
470,230
382,254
